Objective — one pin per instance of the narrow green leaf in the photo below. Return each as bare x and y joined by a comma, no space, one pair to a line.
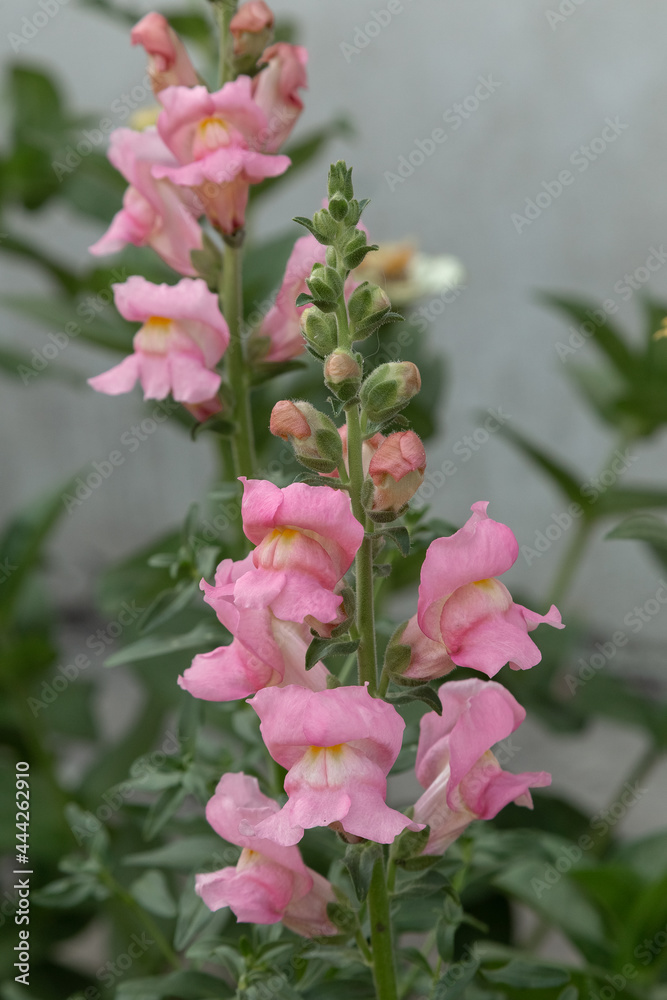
422,693
145,649
166,605
329,647
529,975
162,810
565,479
644,528
605,335
359,861
152,892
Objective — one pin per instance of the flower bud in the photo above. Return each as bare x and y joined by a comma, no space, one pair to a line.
168,61
325,285
356,249
324,227
389,388
312,435
342,374
251,28
320,330
338,207
368,307
340,180
202,411
396,471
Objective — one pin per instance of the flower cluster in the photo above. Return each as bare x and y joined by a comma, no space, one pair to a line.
294,597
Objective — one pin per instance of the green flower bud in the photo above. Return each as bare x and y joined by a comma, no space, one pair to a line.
320,330
342,373
368,306
388,389
313,436
356,249
338,207
325,284
325,227
340,180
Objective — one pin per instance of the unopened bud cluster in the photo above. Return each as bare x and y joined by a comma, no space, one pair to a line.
313,436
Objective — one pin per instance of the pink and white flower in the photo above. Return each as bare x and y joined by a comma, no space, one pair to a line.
182,337
466,610
306,538
265,651
155,213
269,883
338,747
216,137
168,61
276,90
462,777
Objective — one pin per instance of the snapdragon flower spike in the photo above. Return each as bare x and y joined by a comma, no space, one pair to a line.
306,538
182,338
216,137
466,610
269,883
462,777
155,213
264,650
168,61
276,90
338,747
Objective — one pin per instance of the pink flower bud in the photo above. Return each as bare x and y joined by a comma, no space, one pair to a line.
251,29
397,470
202,411
312,434
168,61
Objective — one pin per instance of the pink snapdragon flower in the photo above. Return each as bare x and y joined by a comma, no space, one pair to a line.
462,778
397,470
270,883
468,613
338,747
276,90
306,538
155,213
264,651
216,137
168,61
182,338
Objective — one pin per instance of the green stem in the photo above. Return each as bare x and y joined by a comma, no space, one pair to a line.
384,972
645,764
124,897
366,654
224,12
571,560
243,443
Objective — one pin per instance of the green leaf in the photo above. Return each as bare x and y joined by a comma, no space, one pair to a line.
531,975
643,527
166,605
187,985
185,854
631,498
400,536
66,893
152,892
564,478
22,542
329,647
411,843
605,335
359,861
145,649
452,985
422,693
193,916
107,329
342,917
163,809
